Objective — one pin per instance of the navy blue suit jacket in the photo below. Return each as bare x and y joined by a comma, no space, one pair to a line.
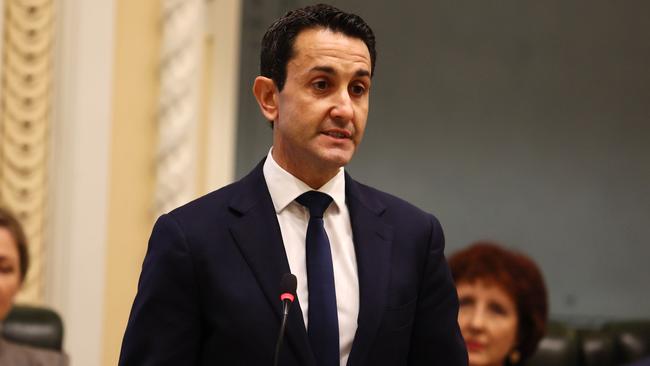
209,289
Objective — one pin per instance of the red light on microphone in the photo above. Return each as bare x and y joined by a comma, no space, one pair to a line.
287,296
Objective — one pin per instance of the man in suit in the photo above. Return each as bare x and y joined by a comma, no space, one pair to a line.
373,284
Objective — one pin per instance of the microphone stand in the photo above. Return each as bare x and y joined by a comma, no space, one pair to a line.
287,295
285,314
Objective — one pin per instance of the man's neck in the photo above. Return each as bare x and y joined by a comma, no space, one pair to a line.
314,178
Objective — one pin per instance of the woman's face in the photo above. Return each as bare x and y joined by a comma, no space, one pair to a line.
9,271
488,320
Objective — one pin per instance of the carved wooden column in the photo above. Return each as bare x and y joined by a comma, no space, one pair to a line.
176,156
25,124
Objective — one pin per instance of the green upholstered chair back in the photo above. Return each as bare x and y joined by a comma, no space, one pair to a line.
34,326
558,347
632,339
612,343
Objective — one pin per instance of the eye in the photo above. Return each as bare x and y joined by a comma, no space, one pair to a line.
7,268
358,89
497,308
320,85
466,301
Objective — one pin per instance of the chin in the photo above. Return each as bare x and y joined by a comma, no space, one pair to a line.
478,360
483,361
338,158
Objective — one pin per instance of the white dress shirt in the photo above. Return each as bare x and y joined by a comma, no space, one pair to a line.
293,219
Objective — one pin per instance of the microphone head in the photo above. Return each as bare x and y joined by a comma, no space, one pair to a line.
288,287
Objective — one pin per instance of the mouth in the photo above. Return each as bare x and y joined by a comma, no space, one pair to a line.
338,134
474,346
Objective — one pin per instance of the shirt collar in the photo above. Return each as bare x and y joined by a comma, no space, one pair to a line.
285,188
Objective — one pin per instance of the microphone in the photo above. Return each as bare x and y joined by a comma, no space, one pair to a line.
287,295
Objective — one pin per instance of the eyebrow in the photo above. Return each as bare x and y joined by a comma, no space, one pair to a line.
330,70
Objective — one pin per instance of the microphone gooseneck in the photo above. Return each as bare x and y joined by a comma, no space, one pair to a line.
288,286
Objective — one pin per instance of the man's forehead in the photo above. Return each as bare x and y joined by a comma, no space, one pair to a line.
332,70
328,49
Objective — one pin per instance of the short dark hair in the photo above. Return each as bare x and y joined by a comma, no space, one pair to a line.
11,223
518,276
277,43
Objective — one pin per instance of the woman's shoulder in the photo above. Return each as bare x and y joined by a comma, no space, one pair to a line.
19,355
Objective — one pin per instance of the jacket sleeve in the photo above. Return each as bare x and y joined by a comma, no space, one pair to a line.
164,325
436,338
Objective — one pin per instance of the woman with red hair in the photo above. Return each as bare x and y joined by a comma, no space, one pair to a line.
503,304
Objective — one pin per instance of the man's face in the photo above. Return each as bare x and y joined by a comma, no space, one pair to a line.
322,110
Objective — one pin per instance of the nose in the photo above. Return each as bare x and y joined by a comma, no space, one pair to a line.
477,319
343,109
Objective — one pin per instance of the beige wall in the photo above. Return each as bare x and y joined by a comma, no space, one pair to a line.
132,172
103,143
80,174
133,140
102,157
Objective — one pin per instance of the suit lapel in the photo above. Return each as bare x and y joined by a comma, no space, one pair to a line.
258,236
373,243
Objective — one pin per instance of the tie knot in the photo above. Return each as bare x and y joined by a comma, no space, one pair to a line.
316,202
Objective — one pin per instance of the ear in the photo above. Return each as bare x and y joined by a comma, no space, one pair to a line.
267,97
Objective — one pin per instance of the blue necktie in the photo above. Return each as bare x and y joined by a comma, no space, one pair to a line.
323,324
